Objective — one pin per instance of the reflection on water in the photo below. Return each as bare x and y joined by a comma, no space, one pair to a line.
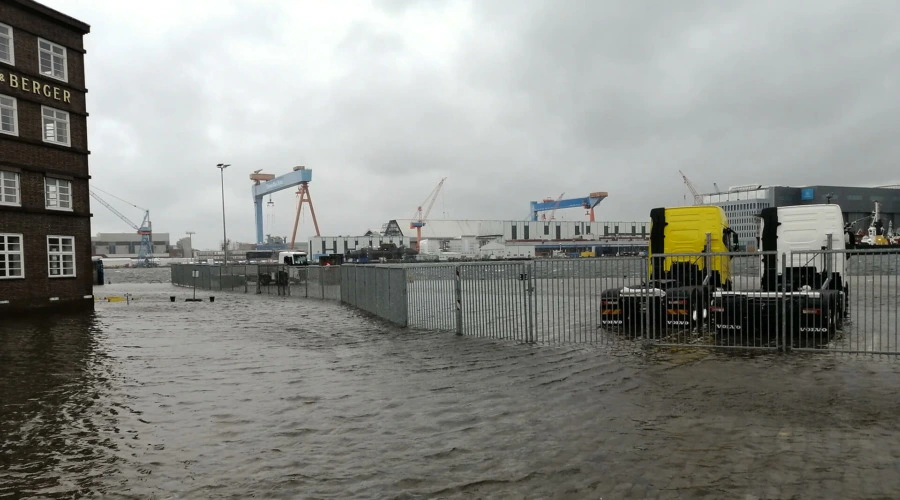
282,397
54,385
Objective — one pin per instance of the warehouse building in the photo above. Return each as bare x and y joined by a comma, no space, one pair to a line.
45,243
128,245
485,239
742,204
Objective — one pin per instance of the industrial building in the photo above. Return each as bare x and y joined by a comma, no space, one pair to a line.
743,203
486,239
45,249
128,245
332,245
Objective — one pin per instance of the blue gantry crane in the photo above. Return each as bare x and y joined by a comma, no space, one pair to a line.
145,229
264,184
588,202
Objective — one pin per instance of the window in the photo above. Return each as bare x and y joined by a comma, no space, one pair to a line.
9,188
7,52
57,194
11,256
56,126
52,60
61,256
9,120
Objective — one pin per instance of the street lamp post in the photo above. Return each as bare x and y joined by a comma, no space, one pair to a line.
221,167
190,244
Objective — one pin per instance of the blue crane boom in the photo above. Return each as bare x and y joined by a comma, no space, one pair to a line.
588,202
268,184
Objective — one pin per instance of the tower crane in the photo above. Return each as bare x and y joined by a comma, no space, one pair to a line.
558,201
698,199
144,229
420,217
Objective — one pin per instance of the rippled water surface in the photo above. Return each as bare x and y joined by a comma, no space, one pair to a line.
281,397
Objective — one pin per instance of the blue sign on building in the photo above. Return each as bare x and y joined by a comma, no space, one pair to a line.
807,194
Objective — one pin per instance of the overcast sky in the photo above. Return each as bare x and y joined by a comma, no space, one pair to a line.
512,101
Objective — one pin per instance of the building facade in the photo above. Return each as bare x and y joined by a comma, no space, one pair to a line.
128,245
45,244
742,205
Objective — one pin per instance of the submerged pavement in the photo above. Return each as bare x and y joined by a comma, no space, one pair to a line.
282,397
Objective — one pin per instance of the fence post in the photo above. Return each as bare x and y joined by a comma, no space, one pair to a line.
785,310
707,259
647,315
530,313
459,314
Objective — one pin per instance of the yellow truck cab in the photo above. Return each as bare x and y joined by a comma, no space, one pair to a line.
681,234
687,262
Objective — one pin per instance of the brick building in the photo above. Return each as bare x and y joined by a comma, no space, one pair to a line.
45,219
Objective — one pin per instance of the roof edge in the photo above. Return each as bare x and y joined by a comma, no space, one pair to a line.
54,14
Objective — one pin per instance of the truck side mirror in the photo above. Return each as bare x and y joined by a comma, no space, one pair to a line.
735,243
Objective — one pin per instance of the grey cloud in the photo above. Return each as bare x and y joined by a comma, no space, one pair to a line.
541,98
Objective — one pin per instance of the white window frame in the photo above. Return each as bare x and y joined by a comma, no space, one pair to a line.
56,119
9,103
57,257
63,194
4,251
10,39
50,72
5,177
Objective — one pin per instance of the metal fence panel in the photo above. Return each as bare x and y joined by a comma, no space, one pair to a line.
575,300
863,318
430,296
615,299
494,300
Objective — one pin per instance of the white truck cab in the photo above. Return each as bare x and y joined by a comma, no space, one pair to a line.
799,234
293,258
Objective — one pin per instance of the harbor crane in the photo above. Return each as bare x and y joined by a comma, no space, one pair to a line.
698,199
264,184
145,229
555,206
420,217
548,204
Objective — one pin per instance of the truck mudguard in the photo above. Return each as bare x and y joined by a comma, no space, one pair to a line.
769,240
657,237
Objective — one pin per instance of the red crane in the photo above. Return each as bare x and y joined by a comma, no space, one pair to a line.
420,217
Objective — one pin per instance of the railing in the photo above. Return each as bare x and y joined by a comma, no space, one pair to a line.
322,282
844,301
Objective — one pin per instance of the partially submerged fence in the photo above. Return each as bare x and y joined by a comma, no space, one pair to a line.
322,282
852,306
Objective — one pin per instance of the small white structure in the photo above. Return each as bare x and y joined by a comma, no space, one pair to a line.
500,250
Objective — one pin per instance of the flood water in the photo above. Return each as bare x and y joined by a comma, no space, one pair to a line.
281,397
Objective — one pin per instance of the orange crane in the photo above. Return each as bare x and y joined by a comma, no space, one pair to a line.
420,217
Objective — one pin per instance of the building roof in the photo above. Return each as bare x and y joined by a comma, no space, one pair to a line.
54,15
453,228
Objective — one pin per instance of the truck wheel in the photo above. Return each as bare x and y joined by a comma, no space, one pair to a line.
846,309
838,315
698,308
831,317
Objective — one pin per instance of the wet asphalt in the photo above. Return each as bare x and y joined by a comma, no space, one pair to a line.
283,397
